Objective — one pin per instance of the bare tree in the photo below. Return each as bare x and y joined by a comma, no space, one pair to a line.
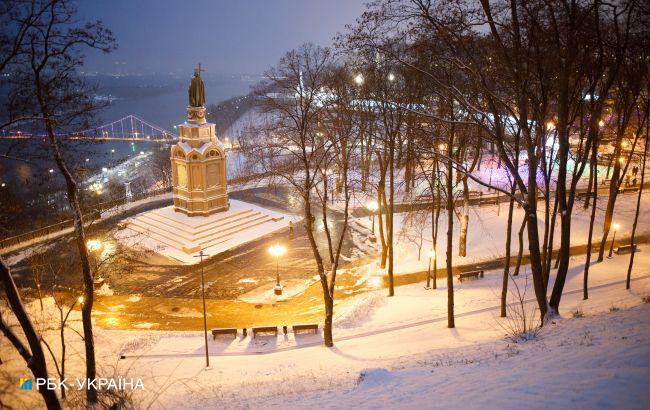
33,352
299,144
48,80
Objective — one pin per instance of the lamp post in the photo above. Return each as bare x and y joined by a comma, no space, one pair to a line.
372,207
277,250
611,247
430,254
205,320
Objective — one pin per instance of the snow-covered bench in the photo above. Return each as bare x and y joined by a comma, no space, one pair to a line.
306,328
475,274
223,331
625,249
265,330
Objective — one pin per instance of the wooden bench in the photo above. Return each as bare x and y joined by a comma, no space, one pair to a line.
265,330
625,249
474,274
606,182
308,328
223,331
628,189
488,201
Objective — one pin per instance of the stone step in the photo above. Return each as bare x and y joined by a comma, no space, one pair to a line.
177,224
163,238
236,230
175,227
186,242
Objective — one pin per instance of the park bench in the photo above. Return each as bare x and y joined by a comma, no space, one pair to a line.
306,328
488,201
98,283
628,189
265,330
625,249
473,274
606,181
223,331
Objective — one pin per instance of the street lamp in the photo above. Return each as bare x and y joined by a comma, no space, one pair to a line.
611,247
358,79
373,206
205,320
277,250
93,245
431,254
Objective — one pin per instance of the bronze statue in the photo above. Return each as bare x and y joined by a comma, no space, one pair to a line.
197,90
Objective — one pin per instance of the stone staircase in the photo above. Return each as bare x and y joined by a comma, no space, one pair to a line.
190,235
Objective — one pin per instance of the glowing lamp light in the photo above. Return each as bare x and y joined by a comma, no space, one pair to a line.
601,123
51,171
616,226
358,79
442,146
87,159
372,206
391,77
550,125
80,299
277,250
621,160
431,253
94,245
104,169
624,144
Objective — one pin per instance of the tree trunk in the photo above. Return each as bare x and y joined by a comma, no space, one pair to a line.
636,215
594,192
36,362
391,212
450,236
506,269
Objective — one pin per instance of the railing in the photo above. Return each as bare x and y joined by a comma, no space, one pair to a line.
91,213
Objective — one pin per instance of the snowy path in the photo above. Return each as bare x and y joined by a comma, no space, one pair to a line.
380,331
425,353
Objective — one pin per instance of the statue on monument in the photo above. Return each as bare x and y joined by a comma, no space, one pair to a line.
197,89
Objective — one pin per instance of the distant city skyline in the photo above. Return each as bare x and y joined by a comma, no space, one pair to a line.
236,38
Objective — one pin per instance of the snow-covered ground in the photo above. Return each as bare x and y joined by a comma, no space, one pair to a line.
398,352
248,231
487,232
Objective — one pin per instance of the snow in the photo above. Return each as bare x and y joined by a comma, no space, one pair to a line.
486,233
398,351
276,221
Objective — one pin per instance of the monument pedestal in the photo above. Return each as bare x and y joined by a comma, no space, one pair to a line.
183,236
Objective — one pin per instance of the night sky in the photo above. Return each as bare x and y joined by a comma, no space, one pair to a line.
227,37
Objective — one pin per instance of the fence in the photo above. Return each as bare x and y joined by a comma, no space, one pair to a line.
91,213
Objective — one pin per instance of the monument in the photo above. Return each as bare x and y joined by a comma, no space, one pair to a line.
198,160
201,216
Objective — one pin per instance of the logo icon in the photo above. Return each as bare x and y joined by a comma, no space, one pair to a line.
25,383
